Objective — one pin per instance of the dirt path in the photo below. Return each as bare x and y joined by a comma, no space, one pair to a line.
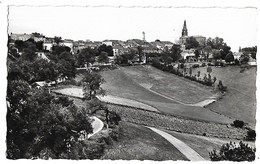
182,147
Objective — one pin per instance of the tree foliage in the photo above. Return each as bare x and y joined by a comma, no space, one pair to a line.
219,44
105,48
191,42
92,85
233,152
250,50
87,55
229,58
36,121
103,57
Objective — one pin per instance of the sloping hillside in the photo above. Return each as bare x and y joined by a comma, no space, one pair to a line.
128,82
240,99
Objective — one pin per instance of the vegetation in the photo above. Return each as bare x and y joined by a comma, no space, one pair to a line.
251,135
38,122
250,50
233,152
238,124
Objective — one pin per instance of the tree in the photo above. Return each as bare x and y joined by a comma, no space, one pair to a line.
103,57
197,54
206,51
229,58
244,58
36,123
87,55
140,53
105,48
29,50
57,40
92,85
250,50
219,44
19,45
175,52
191,42
216,54
233,152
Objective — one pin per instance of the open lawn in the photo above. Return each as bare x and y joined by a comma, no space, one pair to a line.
240,100
140,143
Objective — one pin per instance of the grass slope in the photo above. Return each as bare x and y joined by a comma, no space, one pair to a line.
121,83
240,99
137,142
168,84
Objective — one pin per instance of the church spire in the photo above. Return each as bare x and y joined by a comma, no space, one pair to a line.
184,29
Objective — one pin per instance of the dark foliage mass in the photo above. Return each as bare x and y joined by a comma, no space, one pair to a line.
38,121
233,152
40,124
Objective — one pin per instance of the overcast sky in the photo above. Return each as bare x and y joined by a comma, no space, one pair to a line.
236,26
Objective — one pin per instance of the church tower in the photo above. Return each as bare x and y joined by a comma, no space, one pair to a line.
184,29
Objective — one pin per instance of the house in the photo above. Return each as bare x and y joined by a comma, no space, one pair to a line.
42,56
78,46
188,55
48,44
22,37
68,43
40,84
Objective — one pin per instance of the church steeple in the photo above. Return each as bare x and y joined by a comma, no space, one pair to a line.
184,29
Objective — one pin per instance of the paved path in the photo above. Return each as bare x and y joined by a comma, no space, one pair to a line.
181,146
97,125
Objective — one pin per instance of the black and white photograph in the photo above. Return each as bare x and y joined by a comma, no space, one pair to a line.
117,80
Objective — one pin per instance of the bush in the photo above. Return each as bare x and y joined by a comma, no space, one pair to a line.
251,135
238,123
233,152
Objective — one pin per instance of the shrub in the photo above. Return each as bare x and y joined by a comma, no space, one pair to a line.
251,135
238,123
233,152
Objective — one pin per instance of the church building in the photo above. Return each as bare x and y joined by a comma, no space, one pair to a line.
184,36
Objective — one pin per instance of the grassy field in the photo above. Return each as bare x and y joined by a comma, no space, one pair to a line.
128,82
240,100
167,84
137,142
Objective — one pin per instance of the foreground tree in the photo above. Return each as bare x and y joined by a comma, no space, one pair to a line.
233,152
92,85
36,122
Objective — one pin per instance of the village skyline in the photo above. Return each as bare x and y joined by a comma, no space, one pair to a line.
236,26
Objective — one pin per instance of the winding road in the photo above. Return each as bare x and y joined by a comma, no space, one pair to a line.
97,125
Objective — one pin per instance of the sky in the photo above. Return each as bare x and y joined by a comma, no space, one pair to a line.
235,25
